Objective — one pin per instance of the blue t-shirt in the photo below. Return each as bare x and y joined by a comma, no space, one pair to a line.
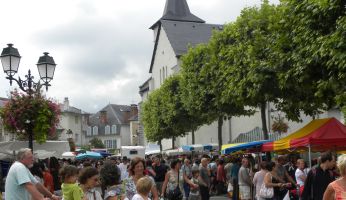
235,171
16,178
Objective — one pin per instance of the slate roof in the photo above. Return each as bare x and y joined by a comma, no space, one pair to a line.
178,10
183,34
115,114
70,109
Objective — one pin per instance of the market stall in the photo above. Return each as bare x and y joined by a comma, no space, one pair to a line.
318,135
201,147
254,146
8,150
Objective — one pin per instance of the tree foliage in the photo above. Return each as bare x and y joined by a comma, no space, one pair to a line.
203,83
312,54
96,143
244,54
163,113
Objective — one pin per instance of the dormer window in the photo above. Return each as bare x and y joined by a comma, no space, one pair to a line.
114,129
95,130
107,130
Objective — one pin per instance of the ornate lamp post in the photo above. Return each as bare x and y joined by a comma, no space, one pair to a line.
10,60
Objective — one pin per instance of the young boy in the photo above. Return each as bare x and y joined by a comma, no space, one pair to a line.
194,192
70,189
143,187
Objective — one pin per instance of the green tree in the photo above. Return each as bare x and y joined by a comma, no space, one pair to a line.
163,113
244,55
311,53
96,143
152,118
203,84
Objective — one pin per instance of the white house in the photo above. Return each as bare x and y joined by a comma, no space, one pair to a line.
70,125
112,125
174,32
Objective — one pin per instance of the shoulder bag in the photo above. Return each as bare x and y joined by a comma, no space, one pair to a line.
266,192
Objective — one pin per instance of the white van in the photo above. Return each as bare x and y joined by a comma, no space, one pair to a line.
132,151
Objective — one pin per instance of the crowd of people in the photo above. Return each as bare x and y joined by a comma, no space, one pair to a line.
240,176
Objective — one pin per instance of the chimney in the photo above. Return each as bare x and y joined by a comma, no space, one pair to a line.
87,118
134,110
66,103
103,117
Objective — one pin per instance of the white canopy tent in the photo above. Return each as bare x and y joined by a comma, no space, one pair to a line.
151,149
8,150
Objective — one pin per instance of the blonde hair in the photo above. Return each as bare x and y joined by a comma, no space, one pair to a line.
144,185
342,164
300,160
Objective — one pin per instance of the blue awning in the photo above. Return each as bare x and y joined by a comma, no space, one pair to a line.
249,145
200,147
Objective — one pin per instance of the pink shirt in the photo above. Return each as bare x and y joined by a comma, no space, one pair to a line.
340,192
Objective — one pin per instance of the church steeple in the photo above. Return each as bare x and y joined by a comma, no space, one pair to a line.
178,10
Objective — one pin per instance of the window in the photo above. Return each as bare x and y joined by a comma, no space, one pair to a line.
163,74
110,144
160,77
114,129
89,131
76,119
95,130
107,130
133,152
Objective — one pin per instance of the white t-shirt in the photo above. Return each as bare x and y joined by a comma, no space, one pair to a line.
299,173
17,177
138,197
123,170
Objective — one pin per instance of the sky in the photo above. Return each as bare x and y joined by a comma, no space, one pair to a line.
102,48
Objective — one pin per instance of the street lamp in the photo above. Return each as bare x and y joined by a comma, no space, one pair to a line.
10,60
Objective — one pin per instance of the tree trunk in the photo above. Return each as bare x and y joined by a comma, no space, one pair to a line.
160,143
173,145
219,131
264,121
193,136
264,126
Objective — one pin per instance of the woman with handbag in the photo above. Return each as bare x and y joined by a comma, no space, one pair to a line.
271,185
172,184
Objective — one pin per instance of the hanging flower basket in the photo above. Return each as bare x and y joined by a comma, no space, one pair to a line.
279,126
23,111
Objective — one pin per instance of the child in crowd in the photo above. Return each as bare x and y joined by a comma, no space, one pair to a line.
143,187
194,192
70,189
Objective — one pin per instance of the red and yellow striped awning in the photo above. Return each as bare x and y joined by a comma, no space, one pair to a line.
320,133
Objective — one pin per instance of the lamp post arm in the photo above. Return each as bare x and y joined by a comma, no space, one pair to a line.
26,85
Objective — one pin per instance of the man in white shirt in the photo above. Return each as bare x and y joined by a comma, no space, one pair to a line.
300,172
123,168
21,184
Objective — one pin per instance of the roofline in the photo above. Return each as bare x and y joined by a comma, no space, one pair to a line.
145,82
155,48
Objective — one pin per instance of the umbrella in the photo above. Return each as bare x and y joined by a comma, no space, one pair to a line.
89,154
68,154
